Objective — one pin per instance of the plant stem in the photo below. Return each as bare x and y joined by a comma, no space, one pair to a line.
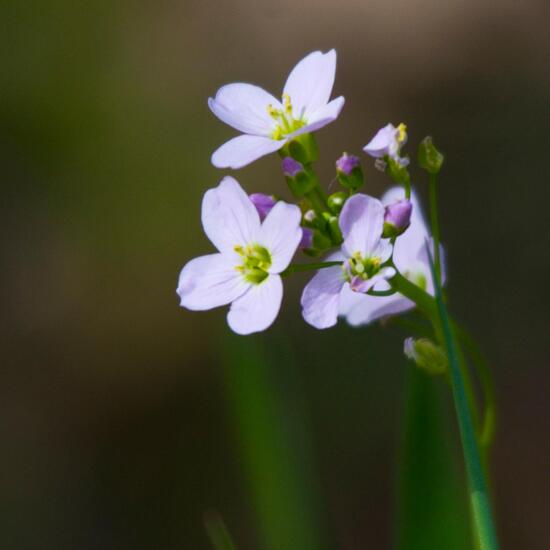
487,432
434,221
317,199
463,397
479,498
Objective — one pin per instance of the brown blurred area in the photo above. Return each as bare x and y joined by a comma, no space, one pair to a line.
113,420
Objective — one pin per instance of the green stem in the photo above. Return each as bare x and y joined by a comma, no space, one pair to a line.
487,432
479,497
317,199
434,220
294,268
463,397
389,292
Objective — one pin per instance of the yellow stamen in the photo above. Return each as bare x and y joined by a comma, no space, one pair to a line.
401,133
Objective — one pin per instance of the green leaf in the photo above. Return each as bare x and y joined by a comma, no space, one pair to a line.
269,417
432,511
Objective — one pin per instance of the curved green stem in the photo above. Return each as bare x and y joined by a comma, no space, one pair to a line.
389,292
488,426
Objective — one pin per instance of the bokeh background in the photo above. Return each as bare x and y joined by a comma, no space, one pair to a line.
123,418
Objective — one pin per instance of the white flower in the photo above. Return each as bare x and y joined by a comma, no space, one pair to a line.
388,142
245,271
410,258
267,123
363,254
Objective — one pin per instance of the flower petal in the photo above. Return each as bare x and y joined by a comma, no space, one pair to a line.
362,286
321,297
257,309
210,281
309,84
361,309
243,150
361,222
244,107
281,234
323,116
382,143
229,218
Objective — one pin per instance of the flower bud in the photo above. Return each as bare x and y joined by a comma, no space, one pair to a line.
263,203
307,238
310,216
428,356
397,218
336,201
429,157
349,172
300,180
291,167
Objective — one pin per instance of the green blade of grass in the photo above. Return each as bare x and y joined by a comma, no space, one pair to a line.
432,511
217,532
270,425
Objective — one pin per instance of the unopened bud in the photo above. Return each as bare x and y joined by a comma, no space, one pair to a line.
299,179
309,216
307,238
429,157
349,172
336,201
427,355
397,218
263,203
291,167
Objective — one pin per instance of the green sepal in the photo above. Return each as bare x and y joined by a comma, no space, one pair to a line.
302,183
302,148
353,181
391,231
429,158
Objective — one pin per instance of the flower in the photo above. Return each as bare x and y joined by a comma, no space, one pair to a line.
411,259
363,254
267,123
397,218
245,271
388,142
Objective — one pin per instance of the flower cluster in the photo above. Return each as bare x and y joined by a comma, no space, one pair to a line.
366,243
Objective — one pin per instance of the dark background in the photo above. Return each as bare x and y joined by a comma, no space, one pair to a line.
115,422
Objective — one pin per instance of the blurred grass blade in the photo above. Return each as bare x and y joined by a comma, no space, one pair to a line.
432,511
217,532
479,499
270,423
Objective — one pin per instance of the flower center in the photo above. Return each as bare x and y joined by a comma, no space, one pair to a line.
286,123
361,268
256,260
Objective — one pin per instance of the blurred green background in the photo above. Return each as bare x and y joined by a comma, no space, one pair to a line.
124,418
